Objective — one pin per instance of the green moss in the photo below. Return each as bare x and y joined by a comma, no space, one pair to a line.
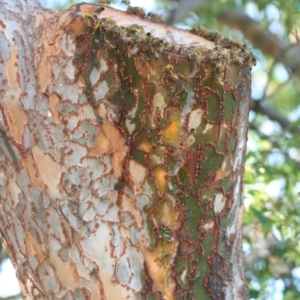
232,142
139,156
152,297
226,184
192,222
208,194
182,98
180,264
229,106
172,163
184,178
213,105
206,132
208,74
154,195
153,136
233,74
199,289
223,138
211,163
117,98
183,276
129,97
165,233
152,239
151,89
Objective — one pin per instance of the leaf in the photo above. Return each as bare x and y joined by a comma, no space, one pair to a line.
259,215
253,293
277,233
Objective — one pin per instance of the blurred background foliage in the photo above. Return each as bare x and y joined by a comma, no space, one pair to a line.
272,172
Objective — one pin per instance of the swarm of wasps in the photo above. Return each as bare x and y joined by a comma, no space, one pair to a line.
137,41
134,37
239,52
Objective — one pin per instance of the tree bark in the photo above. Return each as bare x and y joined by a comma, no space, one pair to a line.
122,150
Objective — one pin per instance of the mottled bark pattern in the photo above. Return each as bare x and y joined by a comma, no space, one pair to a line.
121,159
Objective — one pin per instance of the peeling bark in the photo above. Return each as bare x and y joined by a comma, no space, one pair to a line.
122,150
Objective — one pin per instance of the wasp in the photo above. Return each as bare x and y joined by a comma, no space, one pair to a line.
172,47
104,2
133,52
250,60
236,58
126,2
135,29
136,11
99,120
169,70
91,21
128,141
155,17
164,257
94,272
108,45
140,38
109,25
129,117
98,10
146,59
128,40
200,30
214,36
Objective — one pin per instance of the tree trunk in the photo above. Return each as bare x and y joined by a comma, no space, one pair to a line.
122,150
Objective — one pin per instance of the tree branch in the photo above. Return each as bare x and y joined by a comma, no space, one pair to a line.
266,41
274,144
183,8
264,109
271,44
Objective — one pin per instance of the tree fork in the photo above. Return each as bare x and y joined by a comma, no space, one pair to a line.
122,154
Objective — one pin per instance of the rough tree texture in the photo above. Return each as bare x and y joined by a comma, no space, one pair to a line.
121,151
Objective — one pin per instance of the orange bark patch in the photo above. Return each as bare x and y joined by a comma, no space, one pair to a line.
171,133
159,262
49,170
11,69
138,175
117,162
33,246
44,72
160,178
16,116
117,141
27,162
14,192
102,145
225,170
166,214
145,146
110,140
53,100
